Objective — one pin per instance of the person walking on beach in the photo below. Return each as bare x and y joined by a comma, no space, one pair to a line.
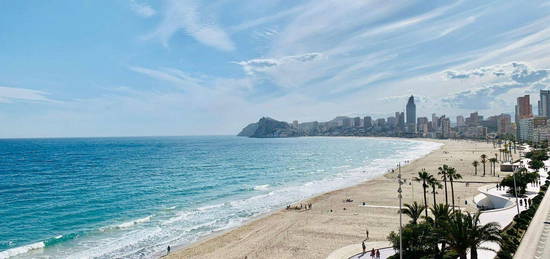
167,250
364,247
367,232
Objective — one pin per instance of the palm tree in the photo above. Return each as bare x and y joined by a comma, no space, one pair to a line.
441,215
463,231
453,175
424,177
443,171
434,183
483,161
475,164
493,161
414,211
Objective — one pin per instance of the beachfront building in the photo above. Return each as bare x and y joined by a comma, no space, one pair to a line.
504,124
460,121
357,122
411,116
347,122
367,122
523,111
474,120
392,122
544,103
527,127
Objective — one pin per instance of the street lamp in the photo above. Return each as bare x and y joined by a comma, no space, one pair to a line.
516,188
400,213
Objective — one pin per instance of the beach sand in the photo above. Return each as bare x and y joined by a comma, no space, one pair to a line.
317,232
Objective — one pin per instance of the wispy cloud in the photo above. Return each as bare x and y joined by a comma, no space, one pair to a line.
172,75
12,94
266,64
186,15
142,9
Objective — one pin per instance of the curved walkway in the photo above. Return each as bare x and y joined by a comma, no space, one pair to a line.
505,209
356,250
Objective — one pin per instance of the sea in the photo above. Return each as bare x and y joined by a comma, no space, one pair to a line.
132,197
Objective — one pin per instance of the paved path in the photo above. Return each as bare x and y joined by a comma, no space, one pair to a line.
503,216
536,241
355,250
384,254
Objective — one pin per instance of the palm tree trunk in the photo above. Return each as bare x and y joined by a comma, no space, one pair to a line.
483,169
425,200
446,198
434,194
475,170
473,253
452,192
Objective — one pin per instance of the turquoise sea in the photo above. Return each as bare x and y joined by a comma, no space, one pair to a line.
132,197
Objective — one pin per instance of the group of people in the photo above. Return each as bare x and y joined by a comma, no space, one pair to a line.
375,254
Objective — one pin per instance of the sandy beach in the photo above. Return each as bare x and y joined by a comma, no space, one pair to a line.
317,232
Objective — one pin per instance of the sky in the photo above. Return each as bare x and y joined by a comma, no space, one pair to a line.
166,67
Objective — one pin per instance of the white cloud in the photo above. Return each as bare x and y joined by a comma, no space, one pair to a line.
142,9
519,72
186,15
495,81
266,64
11,94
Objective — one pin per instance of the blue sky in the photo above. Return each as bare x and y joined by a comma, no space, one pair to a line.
134,67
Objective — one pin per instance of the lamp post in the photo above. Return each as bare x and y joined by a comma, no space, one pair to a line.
400,213
516,188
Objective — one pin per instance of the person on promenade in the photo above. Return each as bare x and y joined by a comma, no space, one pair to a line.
372,253
377,253
364,247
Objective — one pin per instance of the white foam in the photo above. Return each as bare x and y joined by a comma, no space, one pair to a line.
127,224
21,250
262,187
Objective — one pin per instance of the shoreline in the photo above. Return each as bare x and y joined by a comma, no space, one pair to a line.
317,232
179,249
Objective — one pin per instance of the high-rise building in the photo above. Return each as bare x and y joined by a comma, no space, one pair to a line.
524,108
381,122
544,103
460,121
445,127
411,115
474,120
367,122
523,111
391,121
357,122
400,116
435,122
527,127
295,124
347,122
422,125
504,124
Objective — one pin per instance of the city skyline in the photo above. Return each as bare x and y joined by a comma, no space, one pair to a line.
169,67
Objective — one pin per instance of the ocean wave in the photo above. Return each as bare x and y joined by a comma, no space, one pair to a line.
127,224
262,187
21,250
